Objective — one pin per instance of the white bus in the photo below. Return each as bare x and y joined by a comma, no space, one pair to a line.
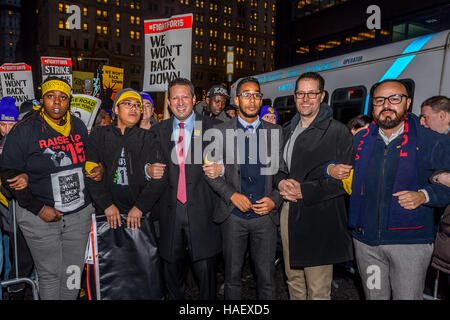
422,63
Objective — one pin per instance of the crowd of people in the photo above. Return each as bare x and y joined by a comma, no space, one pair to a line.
223,181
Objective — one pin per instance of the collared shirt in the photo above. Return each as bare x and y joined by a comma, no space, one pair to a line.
447,132
393,136
289,148
255,123
188,129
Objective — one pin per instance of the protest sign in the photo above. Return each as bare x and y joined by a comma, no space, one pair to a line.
168,44
17,82
85,107
58,67
112,79
78,79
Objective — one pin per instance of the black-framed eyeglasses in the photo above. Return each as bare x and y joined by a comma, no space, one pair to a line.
130,105
311,95
247,95
393,99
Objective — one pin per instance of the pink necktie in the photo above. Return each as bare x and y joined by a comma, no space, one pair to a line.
181,194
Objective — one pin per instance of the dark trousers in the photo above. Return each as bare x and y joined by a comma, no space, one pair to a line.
204,270
261,233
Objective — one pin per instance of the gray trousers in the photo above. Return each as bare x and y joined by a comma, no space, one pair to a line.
400,269
261,232
58,250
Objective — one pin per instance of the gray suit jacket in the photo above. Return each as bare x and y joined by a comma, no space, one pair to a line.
230,182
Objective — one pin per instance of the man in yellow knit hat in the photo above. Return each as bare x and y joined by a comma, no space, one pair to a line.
125,194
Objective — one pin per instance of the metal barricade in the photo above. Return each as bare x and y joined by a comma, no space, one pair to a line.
16,280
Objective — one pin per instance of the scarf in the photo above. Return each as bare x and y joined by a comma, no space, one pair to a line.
62,129
406,179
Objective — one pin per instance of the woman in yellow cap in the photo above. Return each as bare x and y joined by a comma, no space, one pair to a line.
54,210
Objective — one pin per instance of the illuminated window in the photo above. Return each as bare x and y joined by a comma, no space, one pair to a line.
99,13
132,34
60,7
99,29
132,4
105,30
138,35
61,24
85,12
138,20
85,27
118,17
105,14
118,32
118,3
132,19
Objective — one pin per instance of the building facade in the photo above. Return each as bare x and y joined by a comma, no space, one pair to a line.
10,29
112,32
317,29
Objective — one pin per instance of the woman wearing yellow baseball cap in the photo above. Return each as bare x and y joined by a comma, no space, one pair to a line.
54,210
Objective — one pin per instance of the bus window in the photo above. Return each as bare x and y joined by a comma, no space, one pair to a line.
410,87
266,102
348,102
285,107
327,97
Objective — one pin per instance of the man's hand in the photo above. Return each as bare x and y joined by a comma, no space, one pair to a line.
339,171
96,174
444,178
134,218
113,216
263,206
156,170
290,190
410,200
50,214
241,202
212,170
19,182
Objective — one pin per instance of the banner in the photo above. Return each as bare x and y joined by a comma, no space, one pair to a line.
85,107
112,79
17,82
59,67
168,45
78,78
